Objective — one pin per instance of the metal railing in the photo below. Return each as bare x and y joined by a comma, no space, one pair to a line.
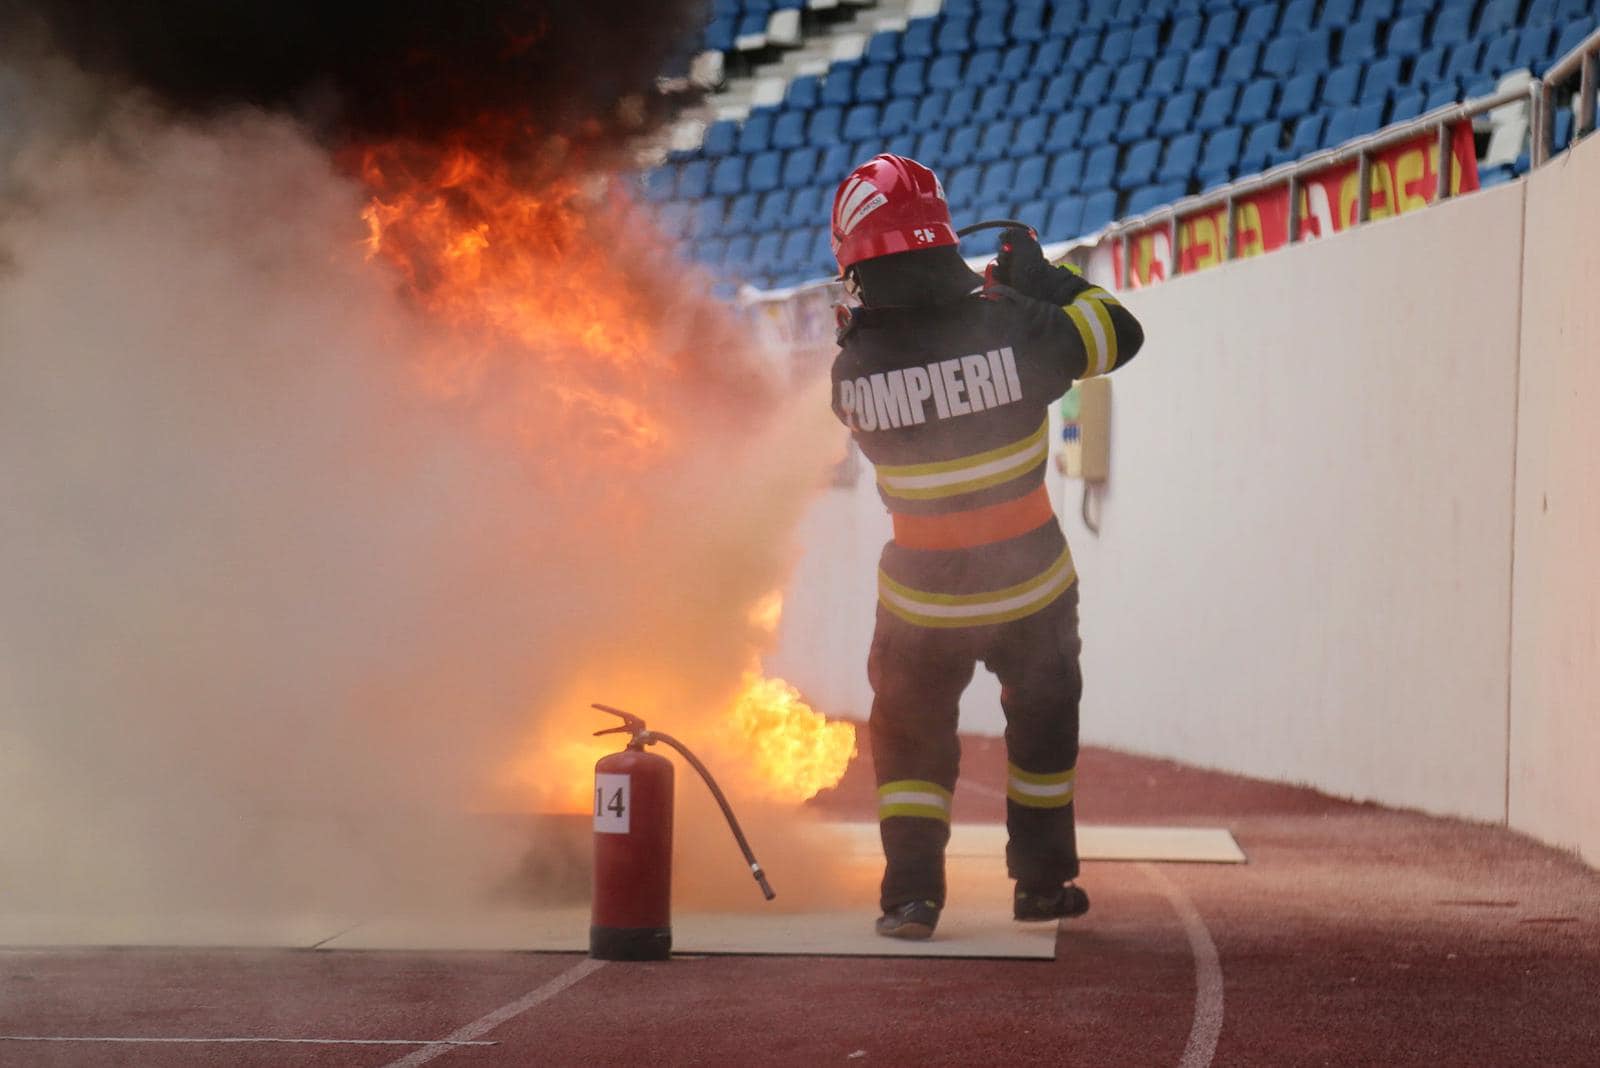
1584,60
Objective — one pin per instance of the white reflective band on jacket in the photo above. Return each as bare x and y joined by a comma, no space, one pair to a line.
914,797
967,474
927,609
1088,313
1040,790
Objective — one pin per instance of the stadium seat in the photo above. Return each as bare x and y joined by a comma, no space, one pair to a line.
693,178
1015,62
1441,94
961,185
1221,151
804,92
756,132
931,110
1177,114
1029,178
1102,124
983,68
990,31
1139,120
706,217
1376,10
1297,17
883,47
1497,54
1084,51
1570,38
908,78
1278,59
1130,80
1066,128
1167,73
789,131
945,72
1462,62
1048,56
1035,213
1096,82
1535,46
1028,137
1146,42
1356,121
961,146
1405,37
861,122
1216,107
997,180
1342,86
1065,174
1024,98
741,213
773,213
1380,79
1307,136
1100,168
872,83
1240,65
1314,51
1115,46
992,103
1099,209
1181,157
1139,165
995,142
839,85
1497,17
720,139
917,40
764,171
1407,104
1260,146
1359,43
960,106
1063,220
1260,21
1200,72
1336,13
1058,92
833,163
1256,100
1452,25
1418,7
658,183
1428,67
1222,28
1147,198
1027,23
899,115
955,34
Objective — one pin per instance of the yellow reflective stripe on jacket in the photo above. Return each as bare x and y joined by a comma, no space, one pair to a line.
926,609
1088,313
967,474
914,797
1033,789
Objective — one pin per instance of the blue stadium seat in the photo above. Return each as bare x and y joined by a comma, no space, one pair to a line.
1240,65
1216,107
990,31
917,40
1462,62
1048,56
1100,168
1099,209
1201,70
1479,87
1337,13
1405,36
1536,46
995,142
1561,130
1167,73
1015,62
1084,51
1297,17
1222,29
1186,33
1307,135
1441,94
1428,67
1359,43
992,102
1260,22
1260,147
1376,10
658,183
872,84
1314,51
1027,24
773,213
1540,13
1035,212
962,144
908,78
814,201
1221,151
961,106
1497,53
1029,178
931,110
764,171
1130,80
883,47
789,131
693,178
804,92
672,218
1256,100
1149,197
899,115
930,146
741,213
1139,120
737,255
1570,38
1102,124
823,127
721,137
1497,16
1407,104
1062,223
1146,42
1028,137
1279,57
961,185
997,181
705,217
861,122
1139,165
1343,85
719,35
768,252
1418,7
1179,160
1065,174
1024,98
755,135
945,72
839,84
1452,25
955,34
1095,84
1299,96
796,250
1115,46
1356,121
1058,92
982,68
1066,128
1380,79
1177,113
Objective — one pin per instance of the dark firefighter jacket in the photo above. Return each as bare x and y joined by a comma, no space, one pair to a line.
950,402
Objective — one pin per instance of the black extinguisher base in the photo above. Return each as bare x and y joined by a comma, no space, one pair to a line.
630,943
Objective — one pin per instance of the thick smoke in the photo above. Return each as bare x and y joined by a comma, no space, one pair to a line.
271,616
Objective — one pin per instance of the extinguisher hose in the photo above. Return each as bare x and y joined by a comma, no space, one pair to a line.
727,810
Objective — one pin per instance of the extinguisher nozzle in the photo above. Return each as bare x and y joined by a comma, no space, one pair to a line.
761,881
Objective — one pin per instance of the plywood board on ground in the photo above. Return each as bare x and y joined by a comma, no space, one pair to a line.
1211,845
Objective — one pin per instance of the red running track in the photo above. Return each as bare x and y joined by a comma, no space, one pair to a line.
1356,935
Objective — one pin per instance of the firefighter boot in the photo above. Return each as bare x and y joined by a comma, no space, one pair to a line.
914,920
1033,904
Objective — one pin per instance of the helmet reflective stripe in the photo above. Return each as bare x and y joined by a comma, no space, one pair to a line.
859,200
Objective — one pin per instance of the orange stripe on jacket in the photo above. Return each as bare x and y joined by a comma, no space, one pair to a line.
977,526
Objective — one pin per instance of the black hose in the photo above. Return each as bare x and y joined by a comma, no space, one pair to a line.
755,867
992,224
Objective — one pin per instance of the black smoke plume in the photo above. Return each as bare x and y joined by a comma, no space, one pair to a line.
364,69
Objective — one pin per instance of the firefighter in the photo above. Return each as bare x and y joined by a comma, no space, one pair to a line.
945,384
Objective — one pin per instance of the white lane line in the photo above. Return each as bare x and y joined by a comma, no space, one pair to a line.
483,1025
284,1041
1207,1027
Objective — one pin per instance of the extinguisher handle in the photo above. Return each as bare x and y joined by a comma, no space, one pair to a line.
631,724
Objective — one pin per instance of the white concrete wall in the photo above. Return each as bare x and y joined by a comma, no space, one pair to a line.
1305,565
1555,722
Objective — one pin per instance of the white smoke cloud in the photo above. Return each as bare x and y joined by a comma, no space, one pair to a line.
270,617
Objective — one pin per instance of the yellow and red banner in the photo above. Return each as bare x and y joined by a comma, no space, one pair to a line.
1404,177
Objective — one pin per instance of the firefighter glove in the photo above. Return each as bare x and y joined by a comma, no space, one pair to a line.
1020,264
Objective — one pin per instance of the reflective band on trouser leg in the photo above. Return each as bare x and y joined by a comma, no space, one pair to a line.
914,797
1033,789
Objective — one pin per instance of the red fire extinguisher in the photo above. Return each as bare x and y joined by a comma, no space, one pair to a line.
631,917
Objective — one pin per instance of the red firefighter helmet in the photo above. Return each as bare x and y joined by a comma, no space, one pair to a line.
889,204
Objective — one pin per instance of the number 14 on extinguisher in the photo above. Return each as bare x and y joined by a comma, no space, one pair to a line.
612,803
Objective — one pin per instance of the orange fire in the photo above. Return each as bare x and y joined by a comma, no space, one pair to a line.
553,297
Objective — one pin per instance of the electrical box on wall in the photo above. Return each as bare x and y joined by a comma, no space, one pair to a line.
1086,430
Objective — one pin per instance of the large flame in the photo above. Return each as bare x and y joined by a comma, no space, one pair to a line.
536,299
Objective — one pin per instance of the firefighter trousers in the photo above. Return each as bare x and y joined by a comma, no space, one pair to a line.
918,675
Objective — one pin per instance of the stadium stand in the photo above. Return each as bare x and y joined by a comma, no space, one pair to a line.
1075,112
